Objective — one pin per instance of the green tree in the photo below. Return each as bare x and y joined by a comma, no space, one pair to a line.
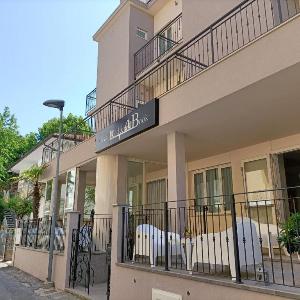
2,209
89,202
29,141
71,124
32,176
11,146
20,206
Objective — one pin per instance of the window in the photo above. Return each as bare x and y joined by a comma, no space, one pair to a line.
165,41
142,33
48,197
213,187
257,181
62,200
157,191
70,190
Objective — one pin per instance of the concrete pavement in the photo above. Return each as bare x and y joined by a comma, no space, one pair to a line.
17,285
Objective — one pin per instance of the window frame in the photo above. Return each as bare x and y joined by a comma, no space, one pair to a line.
47,210
145,32
269,173
222,203
68,209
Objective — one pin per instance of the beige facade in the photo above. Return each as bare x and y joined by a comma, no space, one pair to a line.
228,123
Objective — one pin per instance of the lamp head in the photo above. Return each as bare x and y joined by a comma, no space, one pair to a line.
59,104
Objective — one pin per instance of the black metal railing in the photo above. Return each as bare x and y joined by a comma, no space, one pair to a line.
256,237
158,46
237,28
70,139
89,239
36,234
90,101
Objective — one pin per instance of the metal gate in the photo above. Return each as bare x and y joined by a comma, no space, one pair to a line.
108,261
92,236
81,271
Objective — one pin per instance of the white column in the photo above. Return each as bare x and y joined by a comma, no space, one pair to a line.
111,182
176,167
79,196
72,223
176,181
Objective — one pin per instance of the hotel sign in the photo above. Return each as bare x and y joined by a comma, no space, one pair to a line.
136,122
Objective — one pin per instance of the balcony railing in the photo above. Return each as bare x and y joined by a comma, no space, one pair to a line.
245,237
71,139
164,41
90,101
35,233
243,24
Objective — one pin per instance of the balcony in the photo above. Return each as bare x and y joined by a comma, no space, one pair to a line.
161,44
90,101
69,140
242,25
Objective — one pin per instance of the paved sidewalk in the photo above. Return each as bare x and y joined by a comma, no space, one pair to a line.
17,285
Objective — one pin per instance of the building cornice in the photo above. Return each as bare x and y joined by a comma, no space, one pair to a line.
136,3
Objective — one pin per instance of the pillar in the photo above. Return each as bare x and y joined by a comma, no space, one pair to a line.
111,182
176,180
79,196
72,223
176,167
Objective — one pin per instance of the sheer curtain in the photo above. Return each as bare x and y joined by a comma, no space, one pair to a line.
156,193
227,186
213,190
199,190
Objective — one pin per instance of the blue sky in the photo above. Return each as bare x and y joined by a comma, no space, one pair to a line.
47,51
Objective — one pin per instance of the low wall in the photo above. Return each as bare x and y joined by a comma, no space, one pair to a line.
35,263
131,283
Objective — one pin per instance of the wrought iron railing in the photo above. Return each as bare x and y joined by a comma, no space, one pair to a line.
243,24
246,236
90,101
90,238
72,138
36,234
158,46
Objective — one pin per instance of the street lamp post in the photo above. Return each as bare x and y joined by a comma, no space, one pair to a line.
59,104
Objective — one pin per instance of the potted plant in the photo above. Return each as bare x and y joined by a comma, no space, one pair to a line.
289,236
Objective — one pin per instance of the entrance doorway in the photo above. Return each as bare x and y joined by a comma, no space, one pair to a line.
289,166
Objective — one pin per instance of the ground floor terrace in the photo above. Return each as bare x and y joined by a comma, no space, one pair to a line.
176,225
219,217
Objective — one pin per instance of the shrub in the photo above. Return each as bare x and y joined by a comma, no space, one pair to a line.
2,209
290,234
20,206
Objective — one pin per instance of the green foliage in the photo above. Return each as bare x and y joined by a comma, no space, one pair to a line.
71,124
32,176
20,206
290,234
11,146
2,209
89,202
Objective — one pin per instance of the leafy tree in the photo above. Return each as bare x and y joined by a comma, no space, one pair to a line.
11,146
89,202
71,124
20,206
2,209
32,176
29,141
